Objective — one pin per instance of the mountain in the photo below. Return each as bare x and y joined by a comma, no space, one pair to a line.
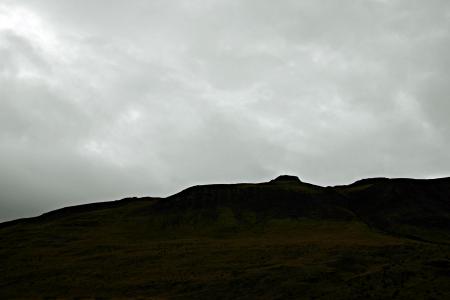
377,238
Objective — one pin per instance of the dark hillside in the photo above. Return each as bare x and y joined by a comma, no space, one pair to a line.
415,208
283,239
275,199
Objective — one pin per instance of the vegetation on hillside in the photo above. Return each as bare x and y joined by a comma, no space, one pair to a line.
375,239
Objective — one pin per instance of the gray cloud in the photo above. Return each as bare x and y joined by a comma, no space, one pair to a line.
104,100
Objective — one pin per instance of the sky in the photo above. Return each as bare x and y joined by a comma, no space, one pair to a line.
101,100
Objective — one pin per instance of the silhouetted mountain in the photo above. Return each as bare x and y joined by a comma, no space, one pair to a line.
284,238
414,208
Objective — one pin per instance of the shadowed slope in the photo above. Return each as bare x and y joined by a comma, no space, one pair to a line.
279,239
275,199
414,208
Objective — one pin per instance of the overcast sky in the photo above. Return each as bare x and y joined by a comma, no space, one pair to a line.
100,99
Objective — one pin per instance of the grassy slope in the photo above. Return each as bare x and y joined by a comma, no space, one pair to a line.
149,249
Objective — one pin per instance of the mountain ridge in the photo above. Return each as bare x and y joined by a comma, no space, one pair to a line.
376,238
288,196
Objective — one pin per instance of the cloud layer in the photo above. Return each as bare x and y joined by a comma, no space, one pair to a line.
105,99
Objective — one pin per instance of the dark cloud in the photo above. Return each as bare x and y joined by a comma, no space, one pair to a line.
104,100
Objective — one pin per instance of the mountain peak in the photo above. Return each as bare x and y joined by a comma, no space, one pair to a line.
370,180
286,178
